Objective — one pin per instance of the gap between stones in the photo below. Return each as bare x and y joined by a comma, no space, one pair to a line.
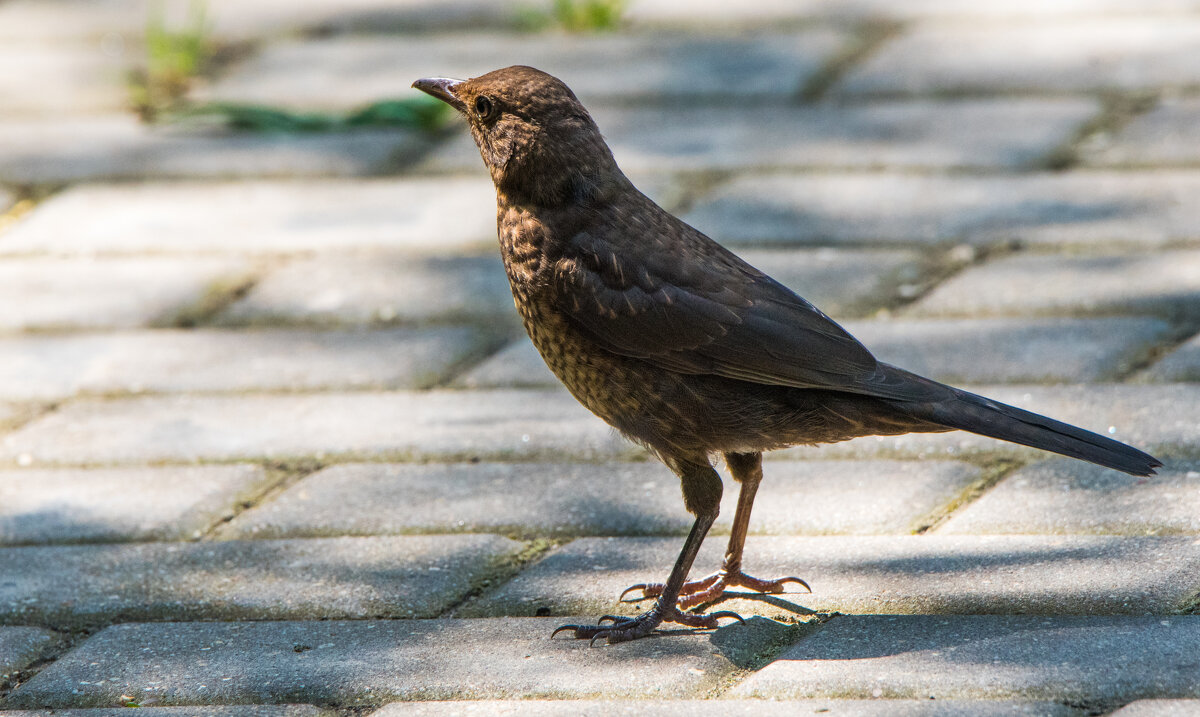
871,36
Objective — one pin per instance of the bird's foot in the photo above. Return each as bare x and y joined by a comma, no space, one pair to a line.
623,629
708,589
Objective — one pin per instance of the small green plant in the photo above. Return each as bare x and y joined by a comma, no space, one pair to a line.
575,15
173,60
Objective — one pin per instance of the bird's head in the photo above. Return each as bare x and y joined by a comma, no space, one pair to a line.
537,140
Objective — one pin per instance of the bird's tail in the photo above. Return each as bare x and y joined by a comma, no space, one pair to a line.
969,412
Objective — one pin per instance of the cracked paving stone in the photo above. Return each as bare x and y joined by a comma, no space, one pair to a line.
21,646
120,504
439,424
810,497
250,217
168,361
897,574
189,711
365,662
1065,496
1080,659
329,578
730,708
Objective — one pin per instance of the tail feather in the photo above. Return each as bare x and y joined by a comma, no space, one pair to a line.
969,412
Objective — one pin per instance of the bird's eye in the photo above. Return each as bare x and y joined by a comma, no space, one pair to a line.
484,106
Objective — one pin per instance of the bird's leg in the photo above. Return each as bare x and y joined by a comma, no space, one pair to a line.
702,495
746,469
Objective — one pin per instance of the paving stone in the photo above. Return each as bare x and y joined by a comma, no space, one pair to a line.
405,576
918,134
920,574
379,288
1063,496
367,662
1065,659
44,367
1161,419
6,200
189,711
730,708
89,292
451,424
517,365
262,216
1032,284
773,11
139,503
607,499
119,147
20,646
1182,364
1083,207
348,71
1070,55
1159,708
47,80
1168,135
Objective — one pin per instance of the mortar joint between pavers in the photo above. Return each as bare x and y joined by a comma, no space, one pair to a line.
992,471
1117,109
1182,331
503,570
281,476
65,641
871,36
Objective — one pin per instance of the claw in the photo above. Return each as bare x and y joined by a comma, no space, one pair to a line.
562,628
792,579
644,587
727,613
614,619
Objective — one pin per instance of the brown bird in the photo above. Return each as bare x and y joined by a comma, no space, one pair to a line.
682,346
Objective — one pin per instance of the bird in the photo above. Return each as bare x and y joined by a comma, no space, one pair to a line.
682,346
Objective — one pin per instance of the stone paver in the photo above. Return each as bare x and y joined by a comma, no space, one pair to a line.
1182,364
348,71
1077,208
258,216
405,576
918,574
510,424
6,200
1032,284
917,134
988,657
50,79
1168,135
56,293
729,708
189,711
1062,496
367,661
56,366
20,646
1072,55
1162,419
138,503
379,288
119,147
812,497
710,12
1159,708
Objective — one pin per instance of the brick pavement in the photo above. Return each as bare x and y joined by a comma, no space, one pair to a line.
272,443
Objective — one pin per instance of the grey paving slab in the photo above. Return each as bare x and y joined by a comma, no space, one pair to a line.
1082,207
1159,708
1181,364
404,576
1160,418
367,662
1062,496
88,292
6,200
189,711
439,214
811,497
988,656
20,646
1168,135
733,708
1163,282
771,11
337,289
138,503
453,424
44,367
105,147
1013,350
517,365
1068,55
346,71
48,80
895,574
910,134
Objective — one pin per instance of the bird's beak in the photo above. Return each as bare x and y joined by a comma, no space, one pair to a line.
443,89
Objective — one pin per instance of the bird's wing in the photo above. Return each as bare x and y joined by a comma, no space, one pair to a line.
694,307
